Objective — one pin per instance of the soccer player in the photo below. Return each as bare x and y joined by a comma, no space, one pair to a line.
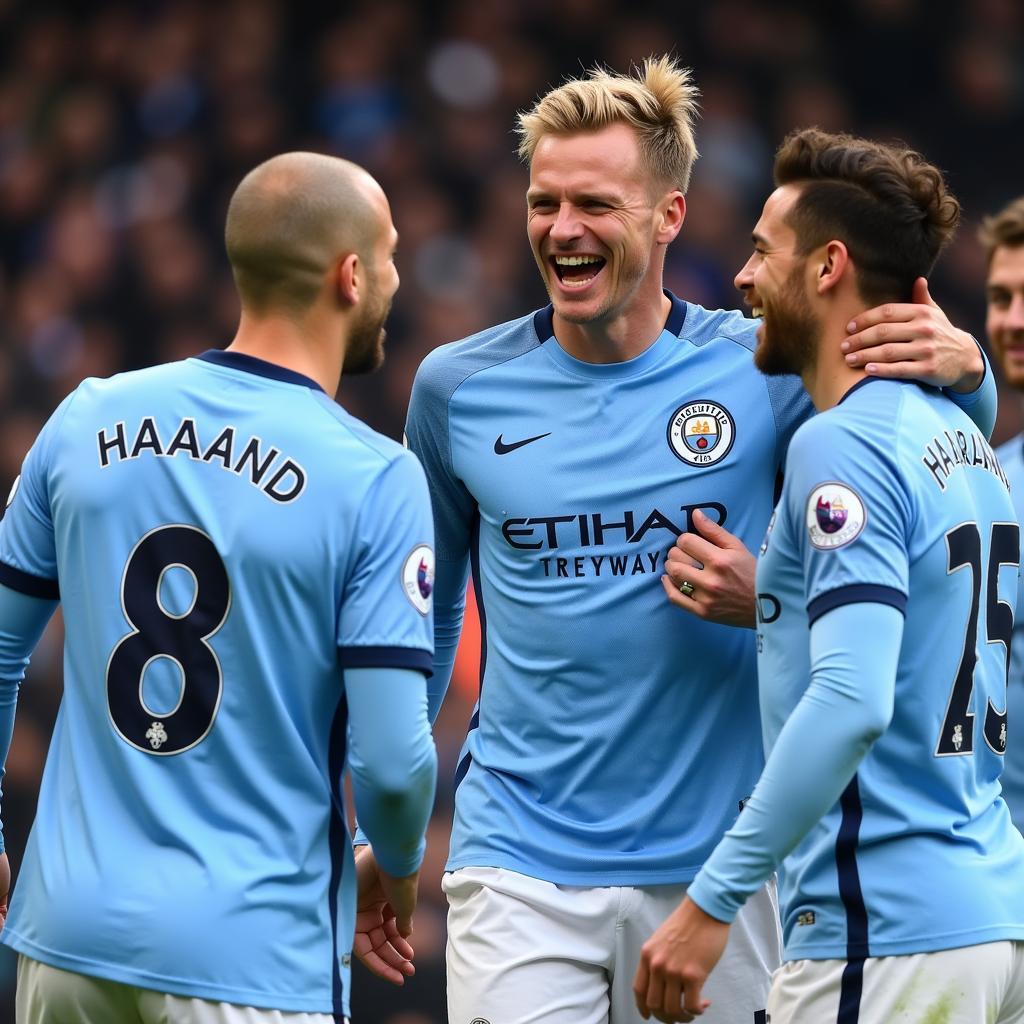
245,573
565,451
1003,238
885,589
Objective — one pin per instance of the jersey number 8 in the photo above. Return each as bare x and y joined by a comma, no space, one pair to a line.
158,633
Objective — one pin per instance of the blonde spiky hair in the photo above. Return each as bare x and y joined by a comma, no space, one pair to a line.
658,101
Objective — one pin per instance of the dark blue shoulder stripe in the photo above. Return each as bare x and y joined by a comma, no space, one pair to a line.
856,593
387,657
26,583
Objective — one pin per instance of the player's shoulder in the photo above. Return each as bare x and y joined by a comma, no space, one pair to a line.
370,447
445,368
702,326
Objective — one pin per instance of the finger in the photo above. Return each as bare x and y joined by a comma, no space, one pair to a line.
673,1001
677,597
890,312
678,562
921,294
692,1001
916,350
640,981
714,532
701,549
655,990
894,337
401,945
380,960
894,371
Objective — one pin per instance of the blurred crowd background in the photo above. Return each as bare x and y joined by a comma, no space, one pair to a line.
124,128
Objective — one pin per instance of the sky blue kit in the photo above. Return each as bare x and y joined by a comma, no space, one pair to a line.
615,735
885,587
233,554
1011,458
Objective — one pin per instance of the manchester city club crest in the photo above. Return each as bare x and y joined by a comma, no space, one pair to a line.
835,515
701,433
418,577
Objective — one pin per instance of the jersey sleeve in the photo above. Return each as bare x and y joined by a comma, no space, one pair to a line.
851,514
847,705
22,621
28,550
428,435
385,619
982,403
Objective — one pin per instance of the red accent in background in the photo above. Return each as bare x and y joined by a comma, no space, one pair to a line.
466,674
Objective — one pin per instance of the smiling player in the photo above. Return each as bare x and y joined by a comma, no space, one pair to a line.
885,588
566,451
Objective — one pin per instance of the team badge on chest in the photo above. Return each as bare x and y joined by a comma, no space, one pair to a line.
701,433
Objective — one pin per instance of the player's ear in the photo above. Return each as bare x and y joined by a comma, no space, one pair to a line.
673,213
833,264
349,279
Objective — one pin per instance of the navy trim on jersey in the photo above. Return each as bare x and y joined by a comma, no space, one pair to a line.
260,367
387,657
338,840
26,583
853,900
544,319
474,722
892,380
856,593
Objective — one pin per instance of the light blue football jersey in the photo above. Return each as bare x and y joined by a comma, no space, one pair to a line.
615,735
1011,458
225,541
894,497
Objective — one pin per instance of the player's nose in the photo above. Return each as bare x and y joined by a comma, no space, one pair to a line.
567,225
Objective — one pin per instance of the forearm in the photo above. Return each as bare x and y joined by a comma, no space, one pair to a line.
22,621
847,705
393,763
976,394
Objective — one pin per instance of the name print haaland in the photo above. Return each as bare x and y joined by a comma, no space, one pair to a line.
282,480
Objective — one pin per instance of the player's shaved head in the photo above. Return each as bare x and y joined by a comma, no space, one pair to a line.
291,219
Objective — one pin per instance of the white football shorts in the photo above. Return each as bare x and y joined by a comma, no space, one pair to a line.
49,995
528,951
981,984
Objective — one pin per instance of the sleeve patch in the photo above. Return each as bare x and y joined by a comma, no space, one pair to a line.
14,491
418,577
835,515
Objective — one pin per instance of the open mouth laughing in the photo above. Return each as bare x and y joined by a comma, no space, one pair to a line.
576,270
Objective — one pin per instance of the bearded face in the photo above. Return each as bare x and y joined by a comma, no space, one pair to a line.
365,350
788,331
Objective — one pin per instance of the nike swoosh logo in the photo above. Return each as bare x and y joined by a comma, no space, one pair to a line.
501,448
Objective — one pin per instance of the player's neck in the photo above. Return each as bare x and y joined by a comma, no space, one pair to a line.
618,338
283,342
831,377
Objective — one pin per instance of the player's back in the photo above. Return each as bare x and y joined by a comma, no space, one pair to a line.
922,841
208,518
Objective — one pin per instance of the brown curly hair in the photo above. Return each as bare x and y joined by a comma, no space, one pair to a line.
886,203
